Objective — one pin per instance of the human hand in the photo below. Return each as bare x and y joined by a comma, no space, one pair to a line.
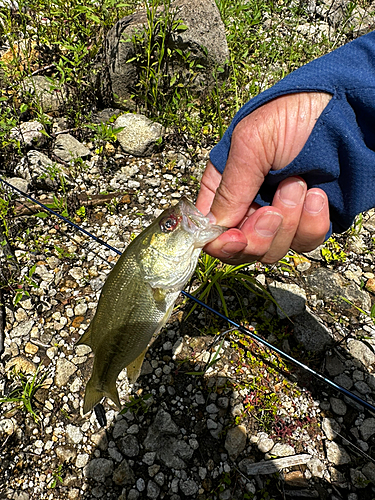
269,138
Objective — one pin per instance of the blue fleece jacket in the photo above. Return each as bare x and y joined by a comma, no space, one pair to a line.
339,156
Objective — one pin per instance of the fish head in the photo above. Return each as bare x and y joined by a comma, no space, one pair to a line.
171,245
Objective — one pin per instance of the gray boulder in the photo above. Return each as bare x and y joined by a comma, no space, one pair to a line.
204,40
140,135
51,97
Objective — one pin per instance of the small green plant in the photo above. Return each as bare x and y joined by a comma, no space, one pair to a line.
23,394
137,404
56,477
26,280
81,213
213,275
331,252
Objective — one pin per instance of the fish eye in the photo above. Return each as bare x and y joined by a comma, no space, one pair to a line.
168,223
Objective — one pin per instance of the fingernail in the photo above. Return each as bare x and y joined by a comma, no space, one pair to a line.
268,224
291,193
211,217
233,247
314,202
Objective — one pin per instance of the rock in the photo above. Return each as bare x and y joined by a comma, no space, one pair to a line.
18,183
370,284
153,490
361,352
338,406
65,453
344,380
265,444
295,479
67,148
369,471
367,429
21,495
37,168
64,370
81,460
161,438
334,366
50,97
140,135
204,29
21,364
362,387
23,328
290,298
74,434
337,454
188,487
99,469
7,426
129,446
359,480
311,332
282,450
28,133
235,441
31,348
123,474
329,285
316,467
330,428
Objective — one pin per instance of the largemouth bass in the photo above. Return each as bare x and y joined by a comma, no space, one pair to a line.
139,294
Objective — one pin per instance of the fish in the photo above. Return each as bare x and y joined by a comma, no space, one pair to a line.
138,296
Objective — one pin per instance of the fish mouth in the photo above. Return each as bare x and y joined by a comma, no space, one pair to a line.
192,218
193,221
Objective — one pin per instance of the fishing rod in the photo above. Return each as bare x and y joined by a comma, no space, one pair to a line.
239,327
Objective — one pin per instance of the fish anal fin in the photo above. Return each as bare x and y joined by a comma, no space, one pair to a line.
86,338
133,369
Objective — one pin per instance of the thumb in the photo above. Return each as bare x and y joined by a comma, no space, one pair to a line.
250,158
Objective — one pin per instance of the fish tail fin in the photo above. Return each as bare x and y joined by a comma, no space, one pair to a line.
86,338
133,369
112,393
92,396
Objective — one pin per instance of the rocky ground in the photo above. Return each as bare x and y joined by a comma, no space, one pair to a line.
214,415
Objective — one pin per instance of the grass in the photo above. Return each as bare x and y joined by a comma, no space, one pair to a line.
60,39
25,387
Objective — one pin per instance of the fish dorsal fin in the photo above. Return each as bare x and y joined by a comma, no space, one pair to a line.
133,369
86,338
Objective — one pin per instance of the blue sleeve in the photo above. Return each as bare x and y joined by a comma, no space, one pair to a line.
339,156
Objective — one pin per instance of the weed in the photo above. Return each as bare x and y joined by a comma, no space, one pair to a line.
57,477
25,280
23,394
331,252
213,275
137,404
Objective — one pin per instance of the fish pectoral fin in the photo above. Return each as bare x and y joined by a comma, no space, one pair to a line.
86,338
133,369
159,294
